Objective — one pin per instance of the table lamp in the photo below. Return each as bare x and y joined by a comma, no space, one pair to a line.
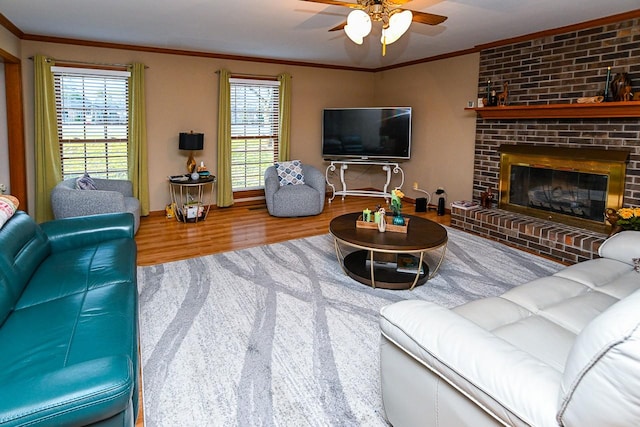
191,141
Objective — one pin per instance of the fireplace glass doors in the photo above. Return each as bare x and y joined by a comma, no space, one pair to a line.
572,186
576,194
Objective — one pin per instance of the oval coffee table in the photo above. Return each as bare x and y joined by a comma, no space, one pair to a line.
373,262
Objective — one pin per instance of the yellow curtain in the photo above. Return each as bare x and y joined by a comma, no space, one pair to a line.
224,193
284,123
138,171
47,144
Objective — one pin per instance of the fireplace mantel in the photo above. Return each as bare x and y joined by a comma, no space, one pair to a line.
560,111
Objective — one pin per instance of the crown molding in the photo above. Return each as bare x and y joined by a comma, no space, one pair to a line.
168,51
429,59
9,26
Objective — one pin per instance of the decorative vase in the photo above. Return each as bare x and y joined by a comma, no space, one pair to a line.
382,224
398,220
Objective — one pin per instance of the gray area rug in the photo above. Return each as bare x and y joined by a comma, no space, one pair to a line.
278,335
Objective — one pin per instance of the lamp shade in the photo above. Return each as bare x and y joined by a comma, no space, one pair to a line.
358,26
398,24
191,141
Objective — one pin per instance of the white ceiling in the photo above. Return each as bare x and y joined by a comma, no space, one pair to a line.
295,30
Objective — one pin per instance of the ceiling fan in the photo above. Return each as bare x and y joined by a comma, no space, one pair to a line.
395,20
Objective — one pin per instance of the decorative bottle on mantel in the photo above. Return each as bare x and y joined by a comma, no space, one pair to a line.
493,99
487,101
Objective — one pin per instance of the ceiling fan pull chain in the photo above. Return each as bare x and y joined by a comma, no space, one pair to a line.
384,46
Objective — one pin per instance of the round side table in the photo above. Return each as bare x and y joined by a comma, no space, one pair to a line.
192,198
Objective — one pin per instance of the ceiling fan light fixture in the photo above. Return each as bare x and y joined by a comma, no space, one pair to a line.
353,34
358,26
398,25
390,13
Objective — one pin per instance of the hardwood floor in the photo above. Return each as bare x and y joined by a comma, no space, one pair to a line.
162,239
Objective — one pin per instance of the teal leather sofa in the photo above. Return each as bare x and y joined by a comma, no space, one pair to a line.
68,321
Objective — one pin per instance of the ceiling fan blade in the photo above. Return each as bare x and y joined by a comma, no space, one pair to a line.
337,3
339,27
398,2
428,18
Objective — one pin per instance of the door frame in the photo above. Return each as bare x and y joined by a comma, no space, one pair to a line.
15,128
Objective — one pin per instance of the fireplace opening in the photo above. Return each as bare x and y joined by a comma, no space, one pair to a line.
565,185
577,194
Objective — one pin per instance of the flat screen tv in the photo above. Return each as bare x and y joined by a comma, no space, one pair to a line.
381,133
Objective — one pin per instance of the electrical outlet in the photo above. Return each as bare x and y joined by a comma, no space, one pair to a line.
415,185
3,188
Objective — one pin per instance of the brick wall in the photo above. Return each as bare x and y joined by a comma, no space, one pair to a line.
560,69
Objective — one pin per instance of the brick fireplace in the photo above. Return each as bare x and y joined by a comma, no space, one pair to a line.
555,69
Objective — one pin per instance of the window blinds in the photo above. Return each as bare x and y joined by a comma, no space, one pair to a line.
254,130
92,114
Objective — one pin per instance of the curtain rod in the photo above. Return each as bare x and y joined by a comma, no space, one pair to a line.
102,64
253,76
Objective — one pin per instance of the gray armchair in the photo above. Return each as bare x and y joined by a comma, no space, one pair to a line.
111,195
295,200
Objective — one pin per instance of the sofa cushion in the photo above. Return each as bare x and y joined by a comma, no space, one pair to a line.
570,305
290,173
598,274
522,318
81,269
68,330
295,200
602,372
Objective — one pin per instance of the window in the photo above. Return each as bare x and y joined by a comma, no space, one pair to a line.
254,130
92,108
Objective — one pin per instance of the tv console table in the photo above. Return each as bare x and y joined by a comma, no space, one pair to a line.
387,167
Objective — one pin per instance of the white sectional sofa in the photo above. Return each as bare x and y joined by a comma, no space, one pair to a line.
562,350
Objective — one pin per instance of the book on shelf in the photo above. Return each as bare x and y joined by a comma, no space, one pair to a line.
465,204
390,265
408,264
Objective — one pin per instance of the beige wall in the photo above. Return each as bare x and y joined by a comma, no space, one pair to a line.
443,133
182,95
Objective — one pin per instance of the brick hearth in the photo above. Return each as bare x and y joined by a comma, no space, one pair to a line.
562,242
